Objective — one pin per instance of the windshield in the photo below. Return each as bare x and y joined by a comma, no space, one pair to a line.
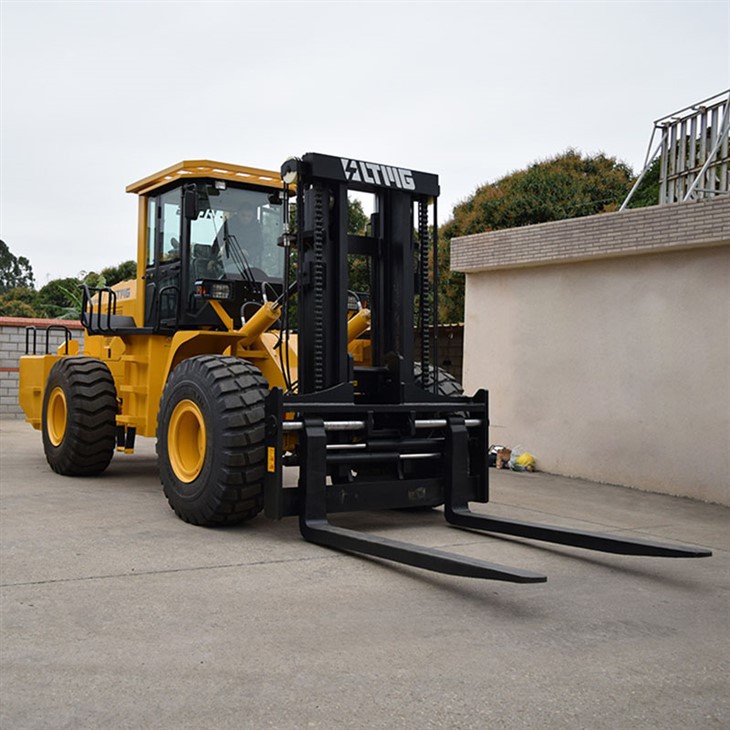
235,235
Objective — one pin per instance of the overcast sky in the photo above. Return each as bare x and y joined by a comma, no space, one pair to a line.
98,94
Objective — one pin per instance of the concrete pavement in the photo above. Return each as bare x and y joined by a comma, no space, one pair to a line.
115,614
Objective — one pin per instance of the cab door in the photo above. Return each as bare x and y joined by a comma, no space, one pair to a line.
163,277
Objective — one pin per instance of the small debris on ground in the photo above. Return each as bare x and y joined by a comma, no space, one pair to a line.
516,459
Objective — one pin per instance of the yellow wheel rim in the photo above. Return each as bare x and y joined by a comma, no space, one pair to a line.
56,416
186,441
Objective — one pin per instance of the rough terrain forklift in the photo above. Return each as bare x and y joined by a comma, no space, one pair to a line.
243,349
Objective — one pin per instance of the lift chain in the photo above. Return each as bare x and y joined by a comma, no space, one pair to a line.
318,282
424,293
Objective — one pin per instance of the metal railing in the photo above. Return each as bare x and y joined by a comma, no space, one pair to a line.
105,299
693,152
31,338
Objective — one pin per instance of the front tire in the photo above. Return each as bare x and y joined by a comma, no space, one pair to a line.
210,440
79,417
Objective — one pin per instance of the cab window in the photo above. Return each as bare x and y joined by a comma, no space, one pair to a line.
236,234
151,221
169,218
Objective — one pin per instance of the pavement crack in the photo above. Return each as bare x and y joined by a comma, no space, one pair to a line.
163,571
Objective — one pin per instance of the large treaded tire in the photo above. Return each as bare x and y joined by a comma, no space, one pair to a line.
79,417
447,384
210,440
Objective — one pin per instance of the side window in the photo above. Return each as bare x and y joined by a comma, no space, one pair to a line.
151,220
272,259
170,218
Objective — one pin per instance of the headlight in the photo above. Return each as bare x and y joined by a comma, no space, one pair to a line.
213,289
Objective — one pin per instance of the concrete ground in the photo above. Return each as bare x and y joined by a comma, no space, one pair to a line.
115,614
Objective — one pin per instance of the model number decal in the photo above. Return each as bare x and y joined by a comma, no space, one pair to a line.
384,175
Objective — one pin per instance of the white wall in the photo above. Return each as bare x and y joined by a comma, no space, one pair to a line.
616,370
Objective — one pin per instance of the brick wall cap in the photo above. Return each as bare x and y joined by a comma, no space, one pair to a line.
657,229
599,218
72,324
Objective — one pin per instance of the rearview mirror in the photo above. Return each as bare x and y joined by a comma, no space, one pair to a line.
190,203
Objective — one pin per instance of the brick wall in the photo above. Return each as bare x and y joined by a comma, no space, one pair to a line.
13,345
646,230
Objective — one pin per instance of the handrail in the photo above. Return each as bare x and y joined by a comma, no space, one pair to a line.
67,337
87,308
166,292
31,329
28,330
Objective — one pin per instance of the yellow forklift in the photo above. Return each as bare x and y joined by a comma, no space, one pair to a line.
243,348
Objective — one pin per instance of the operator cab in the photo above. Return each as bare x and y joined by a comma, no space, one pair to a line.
209,238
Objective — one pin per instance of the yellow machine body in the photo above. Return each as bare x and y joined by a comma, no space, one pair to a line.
189,353
141,363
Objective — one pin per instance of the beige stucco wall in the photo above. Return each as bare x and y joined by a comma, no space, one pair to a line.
615,369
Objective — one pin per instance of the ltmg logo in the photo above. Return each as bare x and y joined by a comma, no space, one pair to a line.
383,175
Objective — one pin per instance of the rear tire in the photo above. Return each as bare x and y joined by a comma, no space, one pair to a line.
79,417
447,384
210,440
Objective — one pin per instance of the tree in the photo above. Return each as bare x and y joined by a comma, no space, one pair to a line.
568,185
357,220
92,279
358,266
14,271
451,285
123,272
109,275
565,186
648,191
61,298
19,302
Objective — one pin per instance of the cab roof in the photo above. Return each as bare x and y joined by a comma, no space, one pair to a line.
196,169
